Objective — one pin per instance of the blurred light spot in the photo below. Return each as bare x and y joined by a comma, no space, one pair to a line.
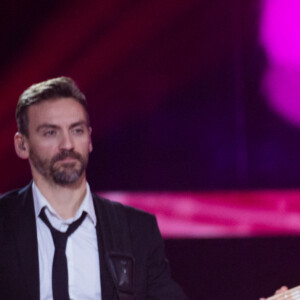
280,31
280,37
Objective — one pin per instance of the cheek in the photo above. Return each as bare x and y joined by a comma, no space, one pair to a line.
44,150
84,146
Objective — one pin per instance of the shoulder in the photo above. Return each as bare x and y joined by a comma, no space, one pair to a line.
11,198
133,216
134,227
10,194
128,210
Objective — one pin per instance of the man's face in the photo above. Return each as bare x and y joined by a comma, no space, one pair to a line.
59,141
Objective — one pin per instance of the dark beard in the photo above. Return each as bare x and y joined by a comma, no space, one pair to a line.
66,173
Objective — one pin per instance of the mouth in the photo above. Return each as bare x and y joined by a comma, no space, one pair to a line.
68,159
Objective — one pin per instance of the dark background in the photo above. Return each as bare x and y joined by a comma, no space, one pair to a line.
174,92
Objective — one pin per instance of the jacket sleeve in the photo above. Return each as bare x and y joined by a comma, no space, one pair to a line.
160,285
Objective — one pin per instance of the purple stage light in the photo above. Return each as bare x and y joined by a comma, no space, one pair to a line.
280,37
280,31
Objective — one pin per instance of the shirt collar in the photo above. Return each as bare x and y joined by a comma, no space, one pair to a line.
87,204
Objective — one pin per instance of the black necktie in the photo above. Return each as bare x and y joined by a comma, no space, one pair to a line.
59,268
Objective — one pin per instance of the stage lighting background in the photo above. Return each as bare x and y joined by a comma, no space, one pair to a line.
195,113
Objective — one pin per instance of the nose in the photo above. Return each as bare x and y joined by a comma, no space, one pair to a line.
66,142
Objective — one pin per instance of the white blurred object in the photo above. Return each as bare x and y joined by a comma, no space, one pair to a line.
292,294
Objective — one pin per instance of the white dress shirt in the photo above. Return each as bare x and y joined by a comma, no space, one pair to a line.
81,250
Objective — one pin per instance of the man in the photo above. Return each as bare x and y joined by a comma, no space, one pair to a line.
57,239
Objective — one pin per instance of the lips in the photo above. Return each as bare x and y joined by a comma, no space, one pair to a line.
68,159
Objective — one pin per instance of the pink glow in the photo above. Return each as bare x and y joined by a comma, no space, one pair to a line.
282,88
280,30
219,214
280,36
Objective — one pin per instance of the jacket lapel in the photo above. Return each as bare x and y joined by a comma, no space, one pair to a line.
117,263
24,225
107,285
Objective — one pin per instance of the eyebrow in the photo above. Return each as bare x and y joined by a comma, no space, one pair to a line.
80,123
47,125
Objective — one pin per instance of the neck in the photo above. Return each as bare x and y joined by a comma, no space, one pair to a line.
66,200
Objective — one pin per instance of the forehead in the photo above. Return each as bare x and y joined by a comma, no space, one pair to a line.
61,111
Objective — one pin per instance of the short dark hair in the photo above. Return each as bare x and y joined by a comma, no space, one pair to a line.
60,87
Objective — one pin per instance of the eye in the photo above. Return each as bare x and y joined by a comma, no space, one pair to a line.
78,130
49,132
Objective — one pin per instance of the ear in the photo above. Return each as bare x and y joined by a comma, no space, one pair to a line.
21,145
90,141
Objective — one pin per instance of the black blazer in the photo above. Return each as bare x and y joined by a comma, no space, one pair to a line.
130,246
